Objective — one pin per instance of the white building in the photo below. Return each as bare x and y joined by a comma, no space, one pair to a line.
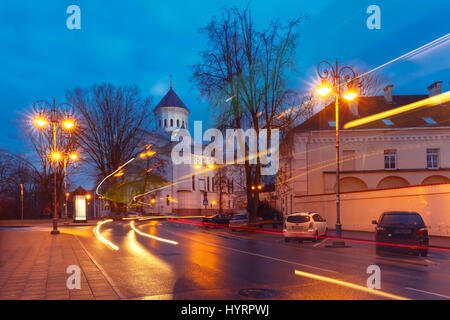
391,164
190,185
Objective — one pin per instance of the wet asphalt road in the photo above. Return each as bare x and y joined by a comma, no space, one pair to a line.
218,264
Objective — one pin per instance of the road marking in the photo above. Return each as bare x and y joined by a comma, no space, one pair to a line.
254,254
96,231
108,278
151,236
350,285
320,243
432,293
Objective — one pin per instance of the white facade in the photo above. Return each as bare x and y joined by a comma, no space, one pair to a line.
190,185
410,152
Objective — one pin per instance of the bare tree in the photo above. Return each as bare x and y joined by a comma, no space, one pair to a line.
243,73
113,121
15,171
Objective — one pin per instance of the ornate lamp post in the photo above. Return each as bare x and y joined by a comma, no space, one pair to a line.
58,116
338,75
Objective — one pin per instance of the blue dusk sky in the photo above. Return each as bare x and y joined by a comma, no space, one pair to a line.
143,42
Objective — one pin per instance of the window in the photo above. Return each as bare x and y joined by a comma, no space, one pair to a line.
165,123
332,123
429,120
401,218
160,123
182,124
168,200
298,219
390,159
178,123
432,158
387,122
212,181
193,182
171,122
207,183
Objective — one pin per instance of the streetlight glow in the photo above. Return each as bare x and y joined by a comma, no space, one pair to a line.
211,166
350,95
68,124
56,155
73,156
324,89
197,166
40,122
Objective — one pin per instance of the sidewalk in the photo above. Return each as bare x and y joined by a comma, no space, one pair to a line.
33,266
45,222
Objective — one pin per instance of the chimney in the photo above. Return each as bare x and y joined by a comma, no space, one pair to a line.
435,89
388,93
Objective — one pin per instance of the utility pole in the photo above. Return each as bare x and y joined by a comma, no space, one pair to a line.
21,199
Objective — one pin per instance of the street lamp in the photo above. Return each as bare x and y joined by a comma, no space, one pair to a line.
56,115
210,166
338,75
57,156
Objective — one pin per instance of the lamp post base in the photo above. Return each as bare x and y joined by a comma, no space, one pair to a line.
55,227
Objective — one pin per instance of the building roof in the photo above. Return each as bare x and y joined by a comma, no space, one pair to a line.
171,99
433,116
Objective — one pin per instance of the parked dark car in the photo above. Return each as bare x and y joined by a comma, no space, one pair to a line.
401,228
217,219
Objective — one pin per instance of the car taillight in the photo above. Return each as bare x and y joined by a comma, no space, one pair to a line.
422,231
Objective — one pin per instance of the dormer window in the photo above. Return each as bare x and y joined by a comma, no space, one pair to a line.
429,120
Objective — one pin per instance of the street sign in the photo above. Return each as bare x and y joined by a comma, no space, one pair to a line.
205,202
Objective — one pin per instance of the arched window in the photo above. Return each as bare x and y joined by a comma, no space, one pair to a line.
392,182
435,179
350,184
171,122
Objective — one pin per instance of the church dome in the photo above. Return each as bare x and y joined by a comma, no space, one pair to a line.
171,99
171,113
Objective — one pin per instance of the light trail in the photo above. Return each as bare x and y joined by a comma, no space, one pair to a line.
431,101
224,226
96,190
350,285
151,236
412,53
96,231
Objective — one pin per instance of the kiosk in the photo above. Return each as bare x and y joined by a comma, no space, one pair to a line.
80,208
